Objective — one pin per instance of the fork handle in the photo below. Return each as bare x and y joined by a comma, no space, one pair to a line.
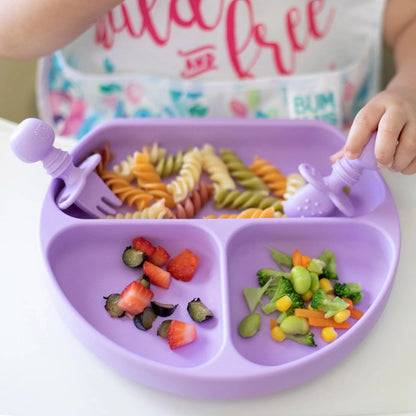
32,141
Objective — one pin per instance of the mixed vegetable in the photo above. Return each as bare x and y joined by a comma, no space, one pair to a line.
137,298
301,294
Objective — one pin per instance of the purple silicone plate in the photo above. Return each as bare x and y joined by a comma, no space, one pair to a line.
84,259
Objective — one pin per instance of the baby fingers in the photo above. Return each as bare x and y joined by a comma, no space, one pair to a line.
404,159
389,129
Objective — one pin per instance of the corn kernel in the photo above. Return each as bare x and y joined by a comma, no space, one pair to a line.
326,285
284,303
306,297
342,316
329,334
277,334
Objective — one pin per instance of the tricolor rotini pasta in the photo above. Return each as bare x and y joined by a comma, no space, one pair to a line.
245,199
216,168
271,176
125,191
170,165
158,210
106,157
295,181
188,176
149,180
240,172
249,213
154,153
123,169
193,203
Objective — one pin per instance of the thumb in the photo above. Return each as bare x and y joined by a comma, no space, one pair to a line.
338,155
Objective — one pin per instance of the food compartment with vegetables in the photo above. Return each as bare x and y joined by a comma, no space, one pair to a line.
185,336
361,254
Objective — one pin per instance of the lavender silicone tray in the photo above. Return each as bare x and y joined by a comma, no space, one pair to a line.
84,259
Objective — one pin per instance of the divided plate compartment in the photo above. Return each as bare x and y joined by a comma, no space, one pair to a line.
84,260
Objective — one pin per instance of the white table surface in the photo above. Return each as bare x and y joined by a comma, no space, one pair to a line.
45,370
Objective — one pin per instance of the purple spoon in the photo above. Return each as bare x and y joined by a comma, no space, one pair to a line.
322,195
33,140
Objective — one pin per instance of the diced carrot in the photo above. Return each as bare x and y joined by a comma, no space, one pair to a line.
349,301
297,258
317,318
356,313
305,260
328,322
309,313
273,323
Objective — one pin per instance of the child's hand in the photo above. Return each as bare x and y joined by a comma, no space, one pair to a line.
392,113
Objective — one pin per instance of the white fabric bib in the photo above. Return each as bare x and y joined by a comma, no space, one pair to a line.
217,58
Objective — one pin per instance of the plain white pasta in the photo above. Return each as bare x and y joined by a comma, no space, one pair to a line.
216,168
123,169
154,153
158,210
188,176
295,181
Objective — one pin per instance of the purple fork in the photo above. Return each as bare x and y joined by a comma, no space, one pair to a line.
322,195
33,140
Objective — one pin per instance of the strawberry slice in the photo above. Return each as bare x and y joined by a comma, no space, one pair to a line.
156,275
181,333
144,245
134,298
183,266
159,257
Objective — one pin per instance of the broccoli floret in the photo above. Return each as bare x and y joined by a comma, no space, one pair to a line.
357,297
264,276
283,288
316,266
321,302
307,339
330,269
349,290
282,259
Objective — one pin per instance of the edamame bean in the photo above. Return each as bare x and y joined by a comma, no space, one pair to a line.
249,325
301,279
314,282
294,325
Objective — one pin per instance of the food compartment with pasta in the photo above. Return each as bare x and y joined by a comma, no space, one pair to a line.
210,170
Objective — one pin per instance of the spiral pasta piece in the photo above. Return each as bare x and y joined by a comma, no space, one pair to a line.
125,191
193,203
188,176
123,169
241,173
106,157
154,153
216,168
170,165
158,210
249,213
149,180
295,181
245,199
271,176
